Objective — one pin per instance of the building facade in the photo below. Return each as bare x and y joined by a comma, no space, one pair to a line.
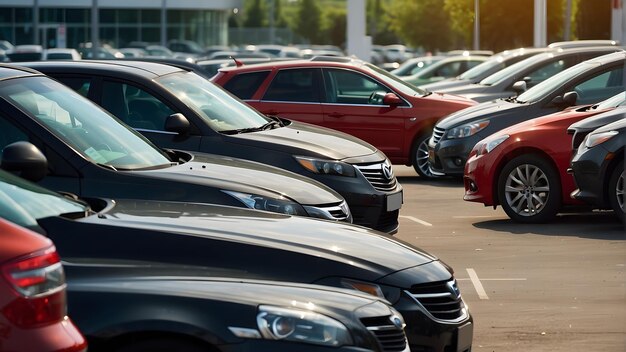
66,23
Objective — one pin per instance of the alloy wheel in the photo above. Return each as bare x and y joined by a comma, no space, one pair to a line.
619,190
421,159
527,190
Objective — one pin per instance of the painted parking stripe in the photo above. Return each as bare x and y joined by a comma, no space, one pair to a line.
512,279
417,220
477,284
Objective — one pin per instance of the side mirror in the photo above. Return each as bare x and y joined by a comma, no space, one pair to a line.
519,87
24,159
567,99
392,99
177,123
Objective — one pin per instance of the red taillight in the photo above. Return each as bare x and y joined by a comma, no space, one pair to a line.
39,281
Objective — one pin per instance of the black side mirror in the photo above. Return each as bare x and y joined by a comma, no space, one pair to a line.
519,87
567,99
24,159
177,123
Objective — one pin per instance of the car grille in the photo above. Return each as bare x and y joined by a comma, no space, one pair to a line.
441,299
340,212
390,337
376,177
437,134
577,139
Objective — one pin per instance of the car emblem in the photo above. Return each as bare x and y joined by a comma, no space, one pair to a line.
387,171
397,322
454,290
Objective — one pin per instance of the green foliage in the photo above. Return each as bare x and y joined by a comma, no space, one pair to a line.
308,21
334,26
422,23
256,14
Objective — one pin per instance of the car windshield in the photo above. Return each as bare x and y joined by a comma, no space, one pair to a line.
514,69
612,102
396,82
548,86
24,203
85,127
414,65
481,68
221,110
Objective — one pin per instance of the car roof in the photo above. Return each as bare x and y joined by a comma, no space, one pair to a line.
142,68
12,71
608,58
316,61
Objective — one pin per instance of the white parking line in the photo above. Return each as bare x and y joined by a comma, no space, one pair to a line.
512,279
474,216
417,220
477,285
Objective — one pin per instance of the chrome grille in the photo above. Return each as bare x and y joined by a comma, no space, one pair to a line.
390,337
376,177
339,212
441,299
437,134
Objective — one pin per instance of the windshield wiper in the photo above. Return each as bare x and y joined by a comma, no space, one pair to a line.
267,126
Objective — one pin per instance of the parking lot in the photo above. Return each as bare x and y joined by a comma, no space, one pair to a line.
558,286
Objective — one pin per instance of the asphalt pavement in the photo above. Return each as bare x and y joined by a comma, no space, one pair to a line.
559,286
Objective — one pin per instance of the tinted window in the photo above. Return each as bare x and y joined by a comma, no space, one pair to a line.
294,85
348,87
10,133
600,87
80,85
245,84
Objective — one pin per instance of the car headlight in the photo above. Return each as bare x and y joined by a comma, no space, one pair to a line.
490,145
283,206
594,139
467,130
326,167
302,326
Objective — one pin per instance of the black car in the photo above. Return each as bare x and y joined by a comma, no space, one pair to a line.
598,168
455,135
144,95
485,69
531,71
581,129
91,153
160,308
248,244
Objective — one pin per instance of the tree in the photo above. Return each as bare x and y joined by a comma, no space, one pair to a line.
421,23
279,19
308,21
335,24
594,19
255,14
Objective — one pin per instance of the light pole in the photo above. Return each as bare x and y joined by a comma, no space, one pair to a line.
476,24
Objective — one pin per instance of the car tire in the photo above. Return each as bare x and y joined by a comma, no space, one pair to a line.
165,344
529,189
419,157
617,185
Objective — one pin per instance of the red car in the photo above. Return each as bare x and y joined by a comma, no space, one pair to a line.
32,295
348,95
524,167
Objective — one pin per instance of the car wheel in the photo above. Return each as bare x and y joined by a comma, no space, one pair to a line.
162,345
420,157
529,189
617,184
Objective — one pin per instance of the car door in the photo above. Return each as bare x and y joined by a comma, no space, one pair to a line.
348,108
146,112
293,93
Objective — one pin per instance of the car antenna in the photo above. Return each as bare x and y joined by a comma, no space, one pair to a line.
237,62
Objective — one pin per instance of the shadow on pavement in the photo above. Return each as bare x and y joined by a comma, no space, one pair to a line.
593,225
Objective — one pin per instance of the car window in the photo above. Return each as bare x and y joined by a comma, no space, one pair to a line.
600,87
82,125
546,71
447,70
245,84
294,85
134,106
10,133
78,84
349,87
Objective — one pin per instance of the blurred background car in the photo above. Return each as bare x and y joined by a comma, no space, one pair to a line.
61,54
412,66
32,292
442,69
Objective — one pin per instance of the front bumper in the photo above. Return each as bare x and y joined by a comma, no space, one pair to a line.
285,346
588,174
448,156
478,181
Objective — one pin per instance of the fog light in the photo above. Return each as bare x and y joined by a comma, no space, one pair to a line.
472,186
458,161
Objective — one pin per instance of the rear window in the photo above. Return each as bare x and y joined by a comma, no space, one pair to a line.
244,85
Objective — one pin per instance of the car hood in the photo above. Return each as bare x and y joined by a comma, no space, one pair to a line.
234,242
247,177
466,89
591,123
618,125
478,112
441,86
309,140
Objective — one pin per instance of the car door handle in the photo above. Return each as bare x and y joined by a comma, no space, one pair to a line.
336,114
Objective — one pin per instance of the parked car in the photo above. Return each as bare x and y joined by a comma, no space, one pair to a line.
531,71
581,129
523,168
25,53
598,168
485,69
245,244
586,83
415,65
32,293
91,153
347,95
61,54
185,46
446,68
221,124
